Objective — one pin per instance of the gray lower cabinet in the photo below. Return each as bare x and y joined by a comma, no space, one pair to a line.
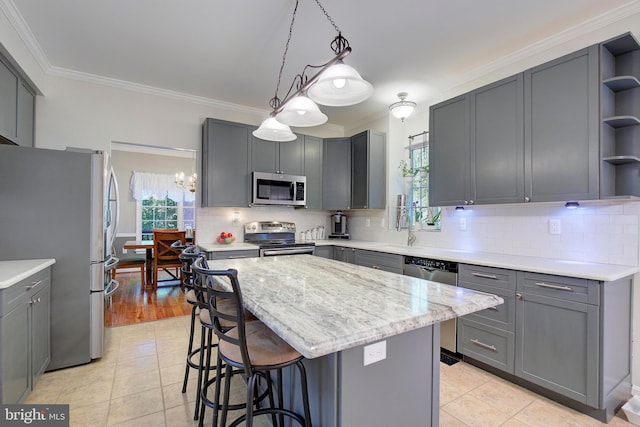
336,174
341,253
379,260
562,128
313,171
243,253
368,170
278,157
25,346
225,174
324,251
569,337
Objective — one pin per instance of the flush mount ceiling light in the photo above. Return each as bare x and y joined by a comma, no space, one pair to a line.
335,84
402,109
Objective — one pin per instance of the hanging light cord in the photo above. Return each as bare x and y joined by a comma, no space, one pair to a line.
339,45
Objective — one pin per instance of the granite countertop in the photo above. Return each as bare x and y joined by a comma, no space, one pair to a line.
579,269
320,306
11,272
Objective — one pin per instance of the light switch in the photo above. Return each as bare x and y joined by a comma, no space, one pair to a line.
367,222
462,224
375,352
555,226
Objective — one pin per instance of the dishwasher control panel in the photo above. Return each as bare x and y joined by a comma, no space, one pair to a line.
432,263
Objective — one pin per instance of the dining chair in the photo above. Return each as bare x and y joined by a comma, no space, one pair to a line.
166,258
127,260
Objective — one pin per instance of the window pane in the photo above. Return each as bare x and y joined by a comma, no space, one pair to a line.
171,224
189,214
171,214
147,226
159,214
170,202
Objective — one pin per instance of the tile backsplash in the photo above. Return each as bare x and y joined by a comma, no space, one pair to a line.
604,232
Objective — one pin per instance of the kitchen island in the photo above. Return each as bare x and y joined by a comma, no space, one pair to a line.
331,312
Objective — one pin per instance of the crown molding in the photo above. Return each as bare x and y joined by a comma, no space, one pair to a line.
24,33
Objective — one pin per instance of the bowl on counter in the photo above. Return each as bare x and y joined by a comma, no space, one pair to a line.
225,241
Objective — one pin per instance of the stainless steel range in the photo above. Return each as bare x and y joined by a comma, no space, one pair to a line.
276,238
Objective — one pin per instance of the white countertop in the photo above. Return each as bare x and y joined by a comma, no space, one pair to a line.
11,272
583,270
320,306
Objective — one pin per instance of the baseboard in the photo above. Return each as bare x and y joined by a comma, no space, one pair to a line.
635,390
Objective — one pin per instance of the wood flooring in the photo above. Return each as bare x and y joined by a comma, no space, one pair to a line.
133,304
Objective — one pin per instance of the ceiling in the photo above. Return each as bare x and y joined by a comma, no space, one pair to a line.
231,51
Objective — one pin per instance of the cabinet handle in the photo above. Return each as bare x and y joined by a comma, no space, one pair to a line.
485,276
33,285
471,202
557,287
236,256
481,344
493,308
518,296
527,199
466,202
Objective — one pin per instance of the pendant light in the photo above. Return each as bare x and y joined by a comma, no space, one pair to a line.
402,109
273,130
301,111
340,85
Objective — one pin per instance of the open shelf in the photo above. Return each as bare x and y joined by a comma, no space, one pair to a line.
620,83
621,160
621,121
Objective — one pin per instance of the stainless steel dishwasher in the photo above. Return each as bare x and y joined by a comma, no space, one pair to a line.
437,271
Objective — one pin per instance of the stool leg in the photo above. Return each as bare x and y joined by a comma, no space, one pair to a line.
305,393
225,397
271,401
251,386
189,349
216,398
203,342
280,395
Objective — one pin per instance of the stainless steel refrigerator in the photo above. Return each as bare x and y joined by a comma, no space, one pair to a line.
55,204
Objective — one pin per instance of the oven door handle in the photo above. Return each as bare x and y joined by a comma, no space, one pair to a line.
272,252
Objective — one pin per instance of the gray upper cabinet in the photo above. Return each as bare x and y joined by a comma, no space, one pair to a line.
17,107
449,152
313,171
496,142
225,164
562,128
368,170
277,157
336,174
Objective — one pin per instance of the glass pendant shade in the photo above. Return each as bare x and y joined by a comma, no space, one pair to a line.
273,130
301,111
402,109
340,85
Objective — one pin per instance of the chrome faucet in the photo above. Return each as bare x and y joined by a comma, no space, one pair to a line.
411,237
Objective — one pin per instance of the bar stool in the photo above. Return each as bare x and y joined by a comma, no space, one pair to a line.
249,346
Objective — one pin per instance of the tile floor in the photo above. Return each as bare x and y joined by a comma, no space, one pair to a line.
139,380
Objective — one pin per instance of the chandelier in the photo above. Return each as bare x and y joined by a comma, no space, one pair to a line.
335,84
190,184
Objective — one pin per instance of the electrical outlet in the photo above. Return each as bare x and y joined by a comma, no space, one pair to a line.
381,222
375,352
555,226
367,222
462,224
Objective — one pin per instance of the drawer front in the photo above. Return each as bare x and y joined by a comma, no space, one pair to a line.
379,260
492,346
250,253
17,294
488,276
502,316
560,287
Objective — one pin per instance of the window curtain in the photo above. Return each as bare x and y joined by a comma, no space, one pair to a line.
158,185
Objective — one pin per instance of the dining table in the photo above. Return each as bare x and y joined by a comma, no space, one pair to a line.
147,245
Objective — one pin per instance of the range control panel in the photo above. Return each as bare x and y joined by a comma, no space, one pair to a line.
432,263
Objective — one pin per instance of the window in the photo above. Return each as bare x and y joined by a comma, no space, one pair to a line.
160,204
165,213
422,213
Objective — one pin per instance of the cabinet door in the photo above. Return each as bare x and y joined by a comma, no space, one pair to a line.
324,251
368,171
449,153
8,103
14,354
557,346
225,164
497,142
26,112
336,174
340,253
264,155
40,335
313,171
291,157
562,128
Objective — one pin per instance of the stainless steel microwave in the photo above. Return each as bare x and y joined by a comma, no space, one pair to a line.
278,189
